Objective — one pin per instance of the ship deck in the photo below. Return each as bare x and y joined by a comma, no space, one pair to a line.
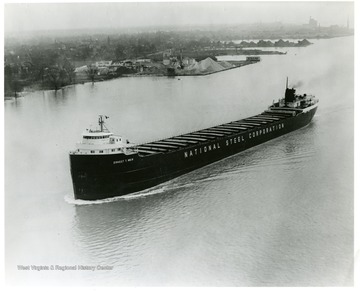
206,135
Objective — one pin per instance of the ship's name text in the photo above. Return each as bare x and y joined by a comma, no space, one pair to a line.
123,160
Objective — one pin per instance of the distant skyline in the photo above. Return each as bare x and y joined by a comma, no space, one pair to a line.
64,16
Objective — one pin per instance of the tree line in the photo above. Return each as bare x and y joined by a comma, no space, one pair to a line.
49,62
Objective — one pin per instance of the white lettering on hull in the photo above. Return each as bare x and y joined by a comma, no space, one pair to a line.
123,161
235,140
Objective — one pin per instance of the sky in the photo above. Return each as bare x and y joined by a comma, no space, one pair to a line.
61,16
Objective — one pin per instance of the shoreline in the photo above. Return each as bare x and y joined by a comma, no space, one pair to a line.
36,87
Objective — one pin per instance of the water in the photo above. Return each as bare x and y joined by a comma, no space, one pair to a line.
280,214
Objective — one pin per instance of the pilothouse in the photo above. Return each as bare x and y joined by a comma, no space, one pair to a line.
102,141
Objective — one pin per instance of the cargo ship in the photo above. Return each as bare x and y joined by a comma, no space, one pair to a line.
105,165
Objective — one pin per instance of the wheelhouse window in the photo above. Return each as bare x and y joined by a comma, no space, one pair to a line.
96,137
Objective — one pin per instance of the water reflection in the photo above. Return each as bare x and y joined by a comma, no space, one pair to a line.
59,97
14,102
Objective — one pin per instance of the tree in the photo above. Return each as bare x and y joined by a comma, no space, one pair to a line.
85,52
53,76
60,74
92,72
67,68
120,52
8,76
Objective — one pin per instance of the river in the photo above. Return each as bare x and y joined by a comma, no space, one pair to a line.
279,214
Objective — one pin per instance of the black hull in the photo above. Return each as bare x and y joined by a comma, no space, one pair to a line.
104,176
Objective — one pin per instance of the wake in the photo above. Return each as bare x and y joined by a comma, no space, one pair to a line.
162,188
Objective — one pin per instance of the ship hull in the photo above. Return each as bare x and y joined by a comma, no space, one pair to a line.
98,177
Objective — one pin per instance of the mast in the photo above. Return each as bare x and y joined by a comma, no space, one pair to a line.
101,122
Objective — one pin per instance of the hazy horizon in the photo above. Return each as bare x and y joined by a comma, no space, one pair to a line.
35,17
